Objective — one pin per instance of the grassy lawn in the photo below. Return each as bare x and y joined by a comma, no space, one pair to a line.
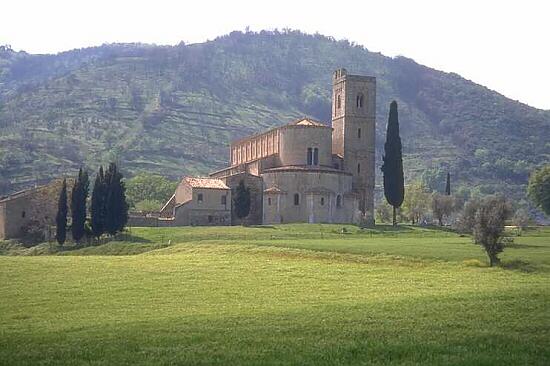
290,294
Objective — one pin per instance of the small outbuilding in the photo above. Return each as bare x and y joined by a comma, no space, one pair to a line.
199,201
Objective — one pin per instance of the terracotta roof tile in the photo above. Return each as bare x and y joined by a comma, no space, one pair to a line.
308,122
205,182
274,190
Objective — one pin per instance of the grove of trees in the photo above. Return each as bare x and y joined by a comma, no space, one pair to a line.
108,211
149,192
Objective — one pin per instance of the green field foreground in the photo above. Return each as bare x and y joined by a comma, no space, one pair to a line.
289,294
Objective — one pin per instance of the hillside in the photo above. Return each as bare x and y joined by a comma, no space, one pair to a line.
174,110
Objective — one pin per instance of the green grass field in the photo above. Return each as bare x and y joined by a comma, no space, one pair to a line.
290,294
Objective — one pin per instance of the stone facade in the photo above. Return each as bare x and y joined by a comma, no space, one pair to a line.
305,171
354,132
35,207
198,201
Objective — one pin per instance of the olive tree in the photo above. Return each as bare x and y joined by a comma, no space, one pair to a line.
485,220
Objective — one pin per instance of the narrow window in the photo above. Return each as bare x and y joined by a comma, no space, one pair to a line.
315,156
358,168
23,214
296,199
210,219
338,102
338,201
322,201
309,156
199,197
269,201
224,200
358,133
360,101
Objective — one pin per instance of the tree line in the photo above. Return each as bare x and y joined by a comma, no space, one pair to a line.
108,212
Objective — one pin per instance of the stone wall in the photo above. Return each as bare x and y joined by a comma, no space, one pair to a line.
142,221
318,193
255,184
255,147
210,211
354,129
296,139
36,206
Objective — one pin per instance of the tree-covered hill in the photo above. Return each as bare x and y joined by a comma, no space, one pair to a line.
174,110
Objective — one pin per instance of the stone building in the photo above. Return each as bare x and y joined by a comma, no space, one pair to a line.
304,171
31,209
198,201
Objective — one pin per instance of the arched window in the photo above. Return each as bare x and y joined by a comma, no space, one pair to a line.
199,197
309,156
269,201
322,201
358,133
338,201
360,101
315,156
296,199
358,168
338,102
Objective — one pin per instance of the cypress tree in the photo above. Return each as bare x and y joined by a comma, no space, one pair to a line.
448,185
394,184
78,205
98,204
110,215
241,201
122,204
116,207
61,217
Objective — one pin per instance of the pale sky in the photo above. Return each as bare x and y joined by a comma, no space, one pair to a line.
504,45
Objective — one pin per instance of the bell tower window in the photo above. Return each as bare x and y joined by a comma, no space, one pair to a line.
338,102
358,133
309,156
315,156
359,101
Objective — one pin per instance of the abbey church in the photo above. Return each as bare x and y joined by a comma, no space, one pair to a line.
304,171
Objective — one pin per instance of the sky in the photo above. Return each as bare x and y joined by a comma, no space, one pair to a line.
504,45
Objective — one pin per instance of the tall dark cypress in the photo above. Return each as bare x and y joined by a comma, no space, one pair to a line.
61,217
448,185
78,204
241,200
98,204
394,184
122,204
116,207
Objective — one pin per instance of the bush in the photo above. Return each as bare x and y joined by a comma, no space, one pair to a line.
488,229
32,233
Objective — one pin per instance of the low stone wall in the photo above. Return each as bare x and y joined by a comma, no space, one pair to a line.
143,221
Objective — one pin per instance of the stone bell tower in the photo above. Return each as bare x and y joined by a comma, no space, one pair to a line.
353,135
